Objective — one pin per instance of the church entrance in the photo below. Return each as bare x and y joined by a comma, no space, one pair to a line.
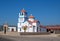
12,30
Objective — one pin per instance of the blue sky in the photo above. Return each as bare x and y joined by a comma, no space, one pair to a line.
46,11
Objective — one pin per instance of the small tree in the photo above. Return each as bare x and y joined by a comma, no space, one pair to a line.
24,28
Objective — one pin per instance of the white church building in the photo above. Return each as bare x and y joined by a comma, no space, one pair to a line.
27,23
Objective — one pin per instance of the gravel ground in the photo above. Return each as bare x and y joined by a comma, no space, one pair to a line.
16,38
13,36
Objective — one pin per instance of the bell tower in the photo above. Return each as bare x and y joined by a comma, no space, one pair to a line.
22,18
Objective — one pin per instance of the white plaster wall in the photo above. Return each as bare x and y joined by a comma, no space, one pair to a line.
18,19
10,28
19,25
22,30
30,29
38,25
35,24
18,30
30,19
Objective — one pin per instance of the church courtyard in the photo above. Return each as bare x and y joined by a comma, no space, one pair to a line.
42,38
16,37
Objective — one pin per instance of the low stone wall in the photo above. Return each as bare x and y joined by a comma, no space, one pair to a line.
57,32
34,33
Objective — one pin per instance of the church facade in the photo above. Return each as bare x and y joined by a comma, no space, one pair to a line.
27,23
